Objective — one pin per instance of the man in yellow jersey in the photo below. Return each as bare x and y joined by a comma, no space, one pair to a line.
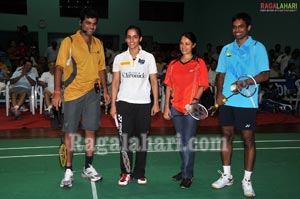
81,65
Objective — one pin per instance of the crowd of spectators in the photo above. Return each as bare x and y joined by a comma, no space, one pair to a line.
283,64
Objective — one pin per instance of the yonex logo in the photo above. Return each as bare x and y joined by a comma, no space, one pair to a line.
247,126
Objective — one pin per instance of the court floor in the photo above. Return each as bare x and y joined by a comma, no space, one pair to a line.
30,169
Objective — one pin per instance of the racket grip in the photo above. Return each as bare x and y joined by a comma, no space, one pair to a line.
116,121
224,100
217,105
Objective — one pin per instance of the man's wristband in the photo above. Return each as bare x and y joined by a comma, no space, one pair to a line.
56,92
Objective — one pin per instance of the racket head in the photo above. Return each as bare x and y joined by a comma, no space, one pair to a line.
62,155
197,111
246,85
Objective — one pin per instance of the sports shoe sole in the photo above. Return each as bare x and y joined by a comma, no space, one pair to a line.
66,186
249,195
142,182
91,179
229,184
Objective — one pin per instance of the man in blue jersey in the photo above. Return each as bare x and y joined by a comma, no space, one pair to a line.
243,56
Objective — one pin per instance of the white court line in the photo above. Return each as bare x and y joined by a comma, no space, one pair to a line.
31,147
117,152
94,190
156,143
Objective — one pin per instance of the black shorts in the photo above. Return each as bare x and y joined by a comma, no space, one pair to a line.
240,118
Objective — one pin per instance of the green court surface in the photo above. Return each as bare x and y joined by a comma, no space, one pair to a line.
30,170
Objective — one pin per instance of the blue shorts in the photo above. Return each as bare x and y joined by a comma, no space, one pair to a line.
240,118
86,109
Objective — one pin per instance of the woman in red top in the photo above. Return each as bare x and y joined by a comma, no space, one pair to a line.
185,81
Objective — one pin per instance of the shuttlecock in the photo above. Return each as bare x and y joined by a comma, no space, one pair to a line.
187,107
233,87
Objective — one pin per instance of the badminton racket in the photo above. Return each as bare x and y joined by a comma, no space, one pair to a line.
62,153
197,111
125,157
245,85
62,149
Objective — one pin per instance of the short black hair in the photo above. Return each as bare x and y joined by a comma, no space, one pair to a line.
88,12
244,16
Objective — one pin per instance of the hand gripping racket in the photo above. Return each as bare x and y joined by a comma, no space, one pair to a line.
125,157
197,111
245,85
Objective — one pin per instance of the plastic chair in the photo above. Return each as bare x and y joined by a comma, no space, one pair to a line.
31,99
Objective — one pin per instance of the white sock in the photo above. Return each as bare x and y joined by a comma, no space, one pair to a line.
227,170
16,107
247,175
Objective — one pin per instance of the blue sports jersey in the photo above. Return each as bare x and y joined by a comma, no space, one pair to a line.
248,59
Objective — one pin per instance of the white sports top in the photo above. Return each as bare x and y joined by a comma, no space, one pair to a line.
134,76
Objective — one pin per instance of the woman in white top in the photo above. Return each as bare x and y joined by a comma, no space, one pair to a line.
131,103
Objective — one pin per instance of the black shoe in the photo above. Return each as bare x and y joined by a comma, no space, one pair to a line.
185,183
177,177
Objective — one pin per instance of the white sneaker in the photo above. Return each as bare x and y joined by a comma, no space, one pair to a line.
91,173
125,178
142,181
67,181
224,180
23,108
248,189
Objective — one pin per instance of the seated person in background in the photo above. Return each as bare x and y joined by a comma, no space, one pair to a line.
290,76
21,81
275,70
2,79
47,82
4,67
208,96
160,64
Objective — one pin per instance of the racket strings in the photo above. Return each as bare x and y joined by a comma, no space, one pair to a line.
197,111
246,86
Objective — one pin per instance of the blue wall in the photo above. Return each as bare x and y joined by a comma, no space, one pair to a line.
209,19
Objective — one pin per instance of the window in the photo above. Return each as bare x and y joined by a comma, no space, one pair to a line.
161,11
72,8
13,7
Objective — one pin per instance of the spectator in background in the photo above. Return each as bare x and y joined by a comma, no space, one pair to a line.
41,65
209,53
4,74
4,67
277,51
22,49
217,53
284,58
22,80
47,82
160,64
296,60
290,76
13,55
275,70
51,52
